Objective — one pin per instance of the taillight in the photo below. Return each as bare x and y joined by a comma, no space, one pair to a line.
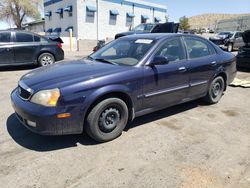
59,45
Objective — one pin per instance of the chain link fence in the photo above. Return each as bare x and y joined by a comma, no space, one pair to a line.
236,24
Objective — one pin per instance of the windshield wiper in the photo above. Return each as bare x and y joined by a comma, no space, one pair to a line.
89,57
105,61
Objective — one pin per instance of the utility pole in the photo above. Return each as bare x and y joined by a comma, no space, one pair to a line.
97,19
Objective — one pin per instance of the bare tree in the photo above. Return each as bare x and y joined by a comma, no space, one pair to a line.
18,10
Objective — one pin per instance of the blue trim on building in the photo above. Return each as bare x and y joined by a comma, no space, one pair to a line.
59,11
129,3
91,8
58,30
131,15
124,2
51,2
145,17
68,9
114,12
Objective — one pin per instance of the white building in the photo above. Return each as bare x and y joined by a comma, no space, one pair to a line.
99,19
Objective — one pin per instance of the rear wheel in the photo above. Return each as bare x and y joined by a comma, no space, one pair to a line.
107,120
46,59
215,91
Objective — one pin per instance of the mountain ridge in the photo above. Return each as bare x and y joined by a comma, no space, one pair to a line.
210,19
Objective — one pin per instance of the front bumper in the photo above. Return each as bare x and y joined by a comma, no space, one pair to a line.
45,121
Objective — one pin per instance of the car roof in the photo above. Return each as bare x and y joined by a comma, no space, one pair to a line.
17,31
157,36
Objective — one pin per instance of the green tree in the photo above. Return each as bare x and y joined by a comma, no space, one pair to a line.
184,23
18,10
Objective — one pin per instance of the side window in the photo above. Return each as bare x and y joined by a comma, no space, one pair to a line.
37,38
24,37
238,35
172,49
196,48
5,37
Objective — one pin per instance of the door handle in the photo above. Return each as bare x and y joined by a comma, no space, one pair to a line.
182,69
8,49
213,63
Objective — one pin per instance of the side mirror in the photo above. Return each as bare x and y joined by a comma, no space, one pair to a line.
159,60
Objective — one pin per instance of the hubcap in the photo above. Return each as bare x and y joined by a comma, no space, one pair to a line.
109,119
216,89
47,60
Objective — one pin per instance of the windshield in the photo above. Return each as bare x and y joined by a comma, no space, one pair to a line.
144,27
123,52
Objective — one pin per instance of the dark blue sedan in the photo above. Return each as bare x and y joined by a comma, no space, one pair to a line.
127,78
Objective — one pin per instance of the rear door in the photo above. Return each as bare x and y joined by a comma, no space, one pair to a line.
25,48
202,58
6,49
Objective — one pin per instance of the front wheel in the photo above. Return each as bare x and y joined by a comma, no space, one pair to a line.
215,91
107,120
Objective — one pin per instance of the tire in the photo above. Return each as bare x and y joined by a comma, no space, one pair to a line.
107,120
215,91
46,59
230,47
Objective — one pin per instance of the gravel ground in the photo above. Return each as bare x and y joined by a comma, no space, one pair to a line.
189,145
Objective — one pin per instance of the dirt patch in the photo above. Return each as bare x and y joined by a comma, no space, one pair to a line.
5,170
196,177
172,124
212,116
230,113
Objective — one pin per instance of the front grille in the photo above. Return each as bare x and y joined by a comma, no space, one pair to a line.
23,93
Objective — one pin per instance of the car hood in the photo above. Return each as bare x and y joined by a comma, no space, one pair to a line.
246,36
67,73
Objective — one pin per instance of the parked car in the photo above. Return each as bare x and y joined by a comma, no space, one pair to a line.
23,47
129,77
243,57
169,27
228,40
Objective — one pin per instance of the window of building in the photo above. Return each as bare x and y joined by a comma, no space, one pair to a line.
24,37
5,37
172,49
130,20
69,9
60,12
48,14
90,14
113,17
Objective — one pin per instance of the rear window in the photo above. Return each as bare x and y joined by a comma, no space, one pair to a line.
197,48
24,37
37,38
5,37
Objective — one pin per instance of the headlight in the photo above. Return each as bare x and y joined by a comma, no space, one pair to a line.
46,97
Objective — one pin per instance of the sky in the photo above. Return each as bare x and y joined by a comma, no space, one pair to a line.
179,8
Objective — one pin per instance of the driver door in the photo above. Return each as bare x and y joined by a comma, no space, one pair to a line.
166,85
